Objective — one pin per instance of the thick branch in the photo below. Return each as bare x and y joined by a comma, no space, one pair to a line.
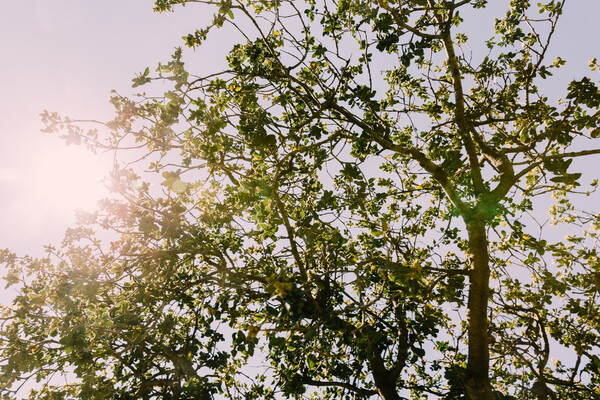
464,126
436,171
540,160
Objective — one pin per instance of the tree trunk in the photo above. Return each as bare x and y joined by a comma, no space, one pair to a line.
385,381
478,381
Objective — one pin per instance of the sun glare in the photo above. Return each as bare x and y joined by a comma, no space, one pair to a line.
68,177
54,181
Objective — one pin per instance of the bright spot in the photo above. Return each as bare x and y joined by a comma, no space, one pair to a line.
66,178
41,192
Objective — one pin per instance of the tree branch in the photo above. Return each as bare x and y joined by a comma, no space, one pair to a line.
360,391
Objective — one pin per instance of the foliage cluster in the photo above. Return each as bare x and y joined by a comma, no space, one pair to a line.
346,210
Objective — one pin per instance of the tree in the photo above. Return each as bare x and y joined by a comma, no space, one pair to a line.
351,232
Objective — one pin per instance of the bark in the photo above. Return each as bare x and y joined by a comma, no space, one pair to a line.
385,382
478,385
478,382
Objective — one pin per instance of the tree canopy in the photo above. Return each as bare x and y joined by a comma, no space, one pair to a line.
349,209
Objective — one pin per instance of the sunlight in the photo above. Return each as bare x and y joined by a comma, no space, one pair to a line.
54,180
67,177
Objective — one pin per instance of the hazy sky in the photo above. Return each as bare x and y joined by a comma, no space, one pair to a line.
66,56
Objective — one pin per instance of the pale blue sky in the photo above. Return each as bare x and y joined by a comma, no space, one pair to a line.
66,56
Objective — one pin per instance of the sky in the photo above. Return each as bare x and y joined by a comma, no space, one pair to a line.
67,55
